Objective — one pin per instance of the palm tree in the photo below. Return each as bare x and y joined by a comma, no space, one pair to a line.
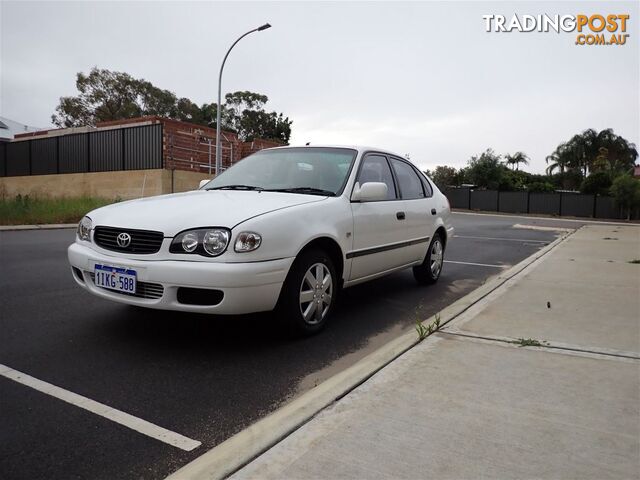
561,160
620,154
584,151
558,160
591,150
516,159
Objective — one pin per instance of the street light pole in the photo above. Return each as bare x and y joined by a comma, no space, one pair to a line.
219,113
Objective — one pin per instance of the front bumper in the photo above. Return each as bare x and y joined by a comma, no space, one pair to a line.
246,287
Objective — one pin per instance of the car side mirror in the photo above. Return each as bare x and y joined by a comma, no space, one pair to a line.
203,183
370,192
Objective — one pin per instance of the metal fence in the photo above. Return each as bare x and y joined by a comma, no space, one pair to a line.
556,203
132,148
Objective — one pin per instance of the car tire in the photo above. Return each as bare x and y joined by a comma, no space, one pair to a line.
308,294
429,271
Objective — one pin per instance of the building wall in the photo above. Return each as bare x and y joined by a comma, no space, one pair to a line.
143,142
190,147
108,161
183,181
119,184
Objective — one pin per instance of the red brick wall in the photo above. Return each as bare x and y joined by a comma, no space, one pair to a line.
247,148
186,146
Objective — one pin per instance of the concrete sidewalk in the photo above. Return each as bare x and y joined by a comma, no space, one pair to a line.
470,402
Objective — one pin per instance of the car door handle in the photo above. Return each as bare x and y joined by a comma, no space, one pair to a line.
400,215
433,211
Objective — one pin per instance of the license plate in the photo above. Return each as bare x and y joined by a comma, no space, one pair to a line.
115,278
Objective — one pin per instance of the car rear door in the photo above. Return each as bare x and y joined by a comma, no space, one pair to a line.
419,205
379,227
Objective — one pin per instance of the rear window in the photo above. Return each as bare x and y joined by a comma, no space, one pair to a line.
408,180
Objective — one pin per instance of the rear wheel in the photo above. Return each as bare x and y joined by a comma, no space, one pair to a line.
309,293
429,271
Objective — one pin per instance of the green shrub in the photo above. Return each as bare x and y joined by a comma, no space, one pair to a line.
540,187
626,191
598,183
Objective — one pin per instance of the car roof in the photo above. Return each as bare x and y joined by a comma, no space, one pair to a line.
359,148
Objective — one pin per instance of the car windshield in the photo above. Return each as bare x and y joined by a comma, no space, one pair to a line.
309,170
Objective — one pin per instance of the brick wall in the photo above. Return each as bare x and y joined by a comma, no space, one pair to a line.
190,147
187,146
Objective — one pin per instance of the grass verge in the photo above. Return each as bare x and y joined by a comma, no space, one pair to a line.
34,211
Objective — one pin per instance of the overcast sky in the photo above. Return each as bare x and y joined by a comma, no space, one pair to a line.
422,78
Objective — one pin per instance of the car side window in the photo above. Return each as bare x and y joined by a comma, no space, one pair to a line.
428,189
375,168
408,180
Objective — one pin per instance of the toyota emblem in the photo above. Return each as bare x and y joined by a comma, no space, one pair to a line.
124,239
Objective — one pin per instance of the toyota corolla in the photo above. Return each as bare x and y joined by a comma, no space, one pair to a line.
285,228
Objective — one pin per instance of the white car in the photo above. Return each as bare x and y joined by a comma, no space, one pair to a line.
285,228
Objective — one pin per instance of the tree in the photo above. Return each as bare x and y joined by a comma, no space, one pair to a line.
104,95
598,183
516,159
444,176
486,170
540,187
247,117
591,150
626,191
558,160
613,152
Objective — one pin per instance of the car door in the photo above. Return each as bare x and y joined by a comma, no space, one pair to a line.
419,206
379,228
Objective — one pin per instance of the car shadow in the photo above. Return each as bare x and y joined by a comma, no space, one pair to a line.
362,311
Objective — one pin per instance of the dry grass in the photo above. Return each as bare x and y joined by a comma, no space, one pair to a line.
29,211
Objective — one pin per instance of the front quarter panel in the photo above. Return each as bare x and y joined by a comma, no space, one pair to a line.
285,233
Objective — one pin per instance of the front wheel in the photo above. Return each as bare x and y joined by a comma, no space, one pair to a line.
309,293
429,271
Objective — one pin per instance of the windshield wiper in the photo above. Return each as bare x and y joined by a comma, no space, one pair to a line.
236,187
307,190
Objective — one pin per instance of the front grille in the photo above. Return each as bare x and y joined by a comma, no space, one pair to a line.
143,289
142,241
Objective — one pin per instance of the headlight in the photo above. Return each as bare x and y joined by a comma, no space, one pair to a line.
215,241
209,242
247,241
84,229
190,242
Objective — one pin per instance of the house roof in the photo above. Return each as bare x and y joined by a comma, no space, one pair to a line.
9,128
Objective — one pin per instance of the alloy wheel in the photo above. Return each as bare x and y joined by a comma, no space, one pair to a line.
316,293
437,258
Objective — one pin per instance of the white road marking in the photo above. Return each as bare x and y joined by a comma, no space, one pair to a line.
478,264
541,228
129,421
523,240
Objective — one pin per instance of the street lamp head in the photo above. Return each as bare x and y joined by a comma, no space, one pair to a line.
264,27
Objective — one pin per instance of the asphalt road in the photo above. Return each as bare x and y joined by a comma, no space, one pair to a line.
203,377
